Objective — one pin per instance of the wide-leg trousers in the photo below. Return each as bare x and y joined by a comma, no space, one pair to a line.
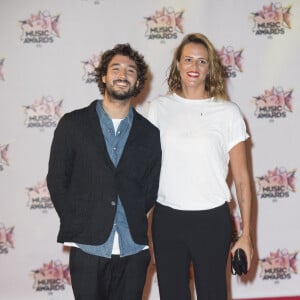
201,237
99,278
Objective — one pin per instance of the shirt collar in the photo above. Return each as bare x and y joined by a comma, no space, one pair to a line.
103,116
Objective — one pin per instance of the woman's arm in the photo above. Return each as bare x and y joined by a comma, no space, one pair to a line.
238,163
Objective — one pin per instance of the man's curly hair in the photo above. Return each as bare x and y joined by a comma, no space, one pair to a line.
125,50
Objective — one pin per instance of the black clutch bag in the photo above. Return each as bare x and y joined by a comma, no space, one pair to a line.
239,262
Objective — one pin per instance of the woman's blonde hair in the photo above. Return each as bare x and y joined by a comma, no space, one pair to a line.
215,81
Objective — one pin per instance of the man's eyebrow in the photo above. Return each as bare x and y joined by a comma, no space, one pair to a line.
118,64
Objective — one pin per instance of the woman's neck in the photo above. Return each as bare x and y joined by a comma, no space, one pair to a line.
193,94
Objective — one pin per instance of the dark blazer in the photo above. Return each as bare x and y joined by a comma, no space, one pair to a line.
84,183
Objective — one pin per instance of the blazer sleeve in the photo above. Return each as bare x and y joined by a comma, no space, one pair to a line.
60,165
152,178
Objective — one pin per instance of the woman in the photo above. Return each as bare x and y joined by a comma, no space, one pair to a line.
201,132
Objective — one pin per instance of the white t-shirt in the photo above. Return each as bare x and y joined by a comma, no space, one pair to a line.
196,137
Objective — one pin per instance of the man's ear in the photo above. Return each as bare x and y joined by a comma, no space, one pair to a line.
103,79
137,84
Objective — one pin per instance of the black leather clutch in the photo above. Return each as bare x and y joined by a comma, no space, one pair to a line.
239,262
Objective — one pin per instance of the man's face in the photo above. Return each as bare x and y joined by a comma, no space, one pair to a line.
121,77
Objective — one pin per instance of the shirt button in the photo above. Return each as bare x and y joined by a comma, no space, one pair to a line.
113,203
118,132
114,148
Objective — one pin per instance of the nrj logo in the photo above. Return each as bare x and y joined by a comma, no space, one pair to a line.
2,69
272,19
274,103
96,2
278,265
89,66
6,238
231,60
40,28
39,197
43,113
52,276
165,24
237,224
4,156
277,183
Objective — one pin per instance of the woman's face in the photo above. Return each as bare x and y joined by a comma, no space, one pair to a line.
193,66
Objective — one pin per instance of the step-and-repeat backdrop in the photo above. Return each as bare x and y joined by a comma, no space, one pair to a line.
48,52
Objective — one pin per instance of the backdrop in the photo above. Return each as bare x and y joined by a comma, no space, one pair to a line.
48,51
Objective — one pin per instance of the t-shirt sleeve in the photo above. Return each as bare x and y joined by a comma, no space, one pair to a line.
151,114
237,130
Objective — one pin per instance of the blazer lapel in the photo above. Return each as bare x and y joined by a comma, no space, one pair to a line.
97,134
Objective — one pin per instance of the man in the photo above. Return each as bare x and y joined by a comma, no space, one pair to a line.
103,178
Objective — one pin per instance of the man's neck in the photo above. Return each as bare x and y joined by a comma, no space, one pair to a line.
116,109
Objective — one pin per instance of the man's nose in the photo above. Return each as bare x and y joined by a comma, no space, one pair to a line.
122,74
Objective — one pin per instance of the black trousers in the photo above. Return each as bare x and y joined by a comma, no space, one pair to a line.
99,278
200,237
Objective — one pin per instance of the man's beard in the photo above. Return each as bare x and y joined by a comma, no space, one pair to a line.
120,94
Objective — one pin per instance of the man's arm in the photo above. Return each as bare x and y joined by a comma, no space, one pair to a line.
60,165
152,178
